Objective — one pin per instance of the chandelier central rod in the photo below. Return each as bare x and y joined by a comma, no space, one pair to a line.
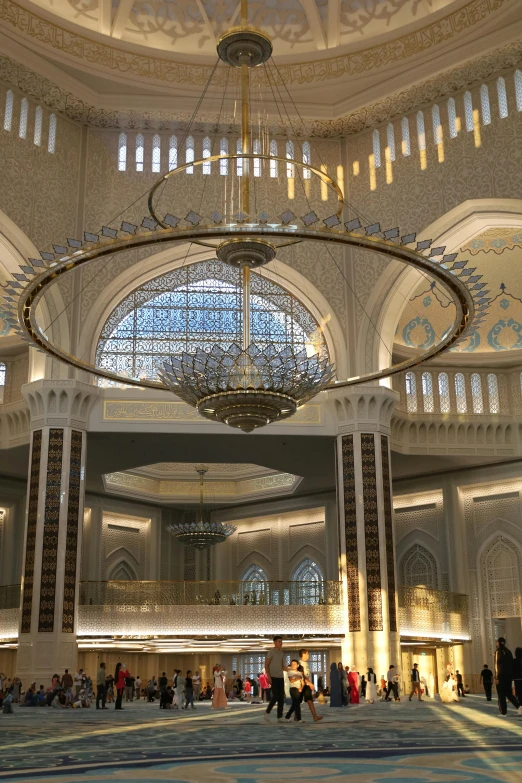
245,185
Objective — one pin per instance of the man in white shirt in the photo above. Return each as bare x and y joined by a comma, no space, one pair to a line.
307,692
275,668
78,682
393,681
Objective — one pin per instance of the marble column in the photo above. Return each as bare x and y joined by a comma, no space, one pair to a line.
55,499
366,535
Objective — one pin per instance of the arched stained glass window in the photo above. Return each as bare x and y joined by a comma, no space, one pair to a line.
452,118
390,139
207,167
307,159
406,144
502,98
2,380
518,89
444,392
199,305
51,143
311,576
376,140
476,393
468,111
274,168
257,161
421,133
38,120
156,154
122,152
494,401
290,167
427,392
437,126
189,154
223,150
173,153
24,113
460,393
8,114
239,161
254,586
411,392
484,105
140,151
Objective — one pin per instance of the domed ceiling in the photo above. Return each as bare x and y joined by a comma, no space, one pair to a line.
497,255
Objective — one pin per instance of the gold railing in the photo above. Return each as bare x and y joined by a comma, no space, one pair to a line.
224,593
433,613
9,596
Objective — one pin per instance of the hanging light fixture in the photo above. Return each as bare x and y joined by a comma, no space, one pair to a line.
201,533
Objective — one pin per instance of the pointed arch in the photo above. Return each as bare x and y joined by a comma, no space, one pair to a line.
418,568
311,578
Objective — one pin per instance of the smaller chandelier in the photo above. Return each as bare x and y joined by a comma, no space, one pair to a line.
247,387
200,533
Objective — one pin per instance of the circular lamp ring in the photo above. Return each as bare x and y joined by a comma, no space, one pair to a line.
455,286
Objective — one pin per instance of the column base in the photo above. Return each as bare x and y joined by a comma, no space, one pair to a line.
42,655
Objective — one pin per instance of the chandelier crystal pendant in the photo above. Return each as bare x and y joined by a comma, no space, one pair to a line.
202,533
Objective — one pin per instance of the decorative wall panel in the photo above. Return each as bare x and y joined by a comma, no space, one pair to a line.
32,518
123,546
71,545
50,532
350,526
189,564
388,530
310,534
371,532
252,541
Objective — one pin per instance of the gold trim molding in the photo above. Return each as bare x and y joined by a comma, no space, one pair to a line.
161,411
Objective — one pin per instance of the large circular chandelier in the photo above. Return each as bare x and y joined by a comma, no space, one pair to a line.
245,383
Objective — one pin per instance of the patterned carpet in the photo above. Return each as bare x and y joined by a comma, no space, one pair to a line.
465,743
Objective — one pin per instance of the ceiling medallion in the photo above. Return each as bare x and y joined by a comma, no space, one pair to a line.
201,533
246,383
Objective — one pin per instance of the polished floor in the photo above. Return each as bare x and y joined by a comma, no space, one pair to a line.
419,743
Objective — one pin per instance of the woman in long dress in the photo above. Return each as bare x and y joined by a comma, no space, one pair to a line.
219,699
353,681
447,694
371,687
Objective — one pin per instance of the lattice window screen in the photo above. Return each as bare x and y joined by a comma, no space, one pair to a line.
419,568
502,578
406,143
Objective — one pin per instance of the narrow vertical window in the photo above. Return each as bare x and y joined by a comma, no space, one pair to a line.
502,98
468,111
307,159
460,393
452,119
24,111
189,154
411,392
257,161
437,127
444,392
290,167
51,142
8,114
173,153
239,161
207,167
140,144
421,133
390,139
156,153
38,119
376,149
122,152
2,381
427,392
494,401
274,168
476,393
223,164
518,89
484,105
405,129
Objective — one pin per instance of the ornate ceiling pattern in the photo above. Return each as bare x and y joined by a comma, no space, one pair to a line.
429,314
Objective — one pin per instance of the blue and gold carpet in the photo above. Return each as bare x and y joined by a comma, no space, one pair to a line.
419,743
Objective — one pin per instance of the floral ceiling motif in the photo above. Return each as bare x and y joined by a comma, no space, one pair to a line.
429,313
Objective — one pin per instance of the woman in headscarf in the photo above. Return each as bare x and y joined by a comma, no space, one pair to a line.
371,686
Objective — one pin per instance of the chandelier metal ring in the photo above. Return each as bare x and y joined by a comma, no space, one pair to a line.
32,293
323,175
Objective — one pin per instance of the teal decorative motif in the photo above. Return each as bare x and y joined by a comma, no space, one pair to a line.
504,303
472,343
429,333
498,329
426,301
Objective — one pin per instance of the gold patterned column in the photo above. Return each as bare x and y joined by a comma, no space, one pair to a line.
47,640
366,536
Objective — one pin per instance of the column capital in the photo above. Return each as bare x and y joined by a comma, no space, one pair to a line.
60,403
363,408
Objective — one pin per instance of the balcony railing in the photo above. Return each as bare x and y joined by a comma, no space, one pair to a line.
217,593
433,613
